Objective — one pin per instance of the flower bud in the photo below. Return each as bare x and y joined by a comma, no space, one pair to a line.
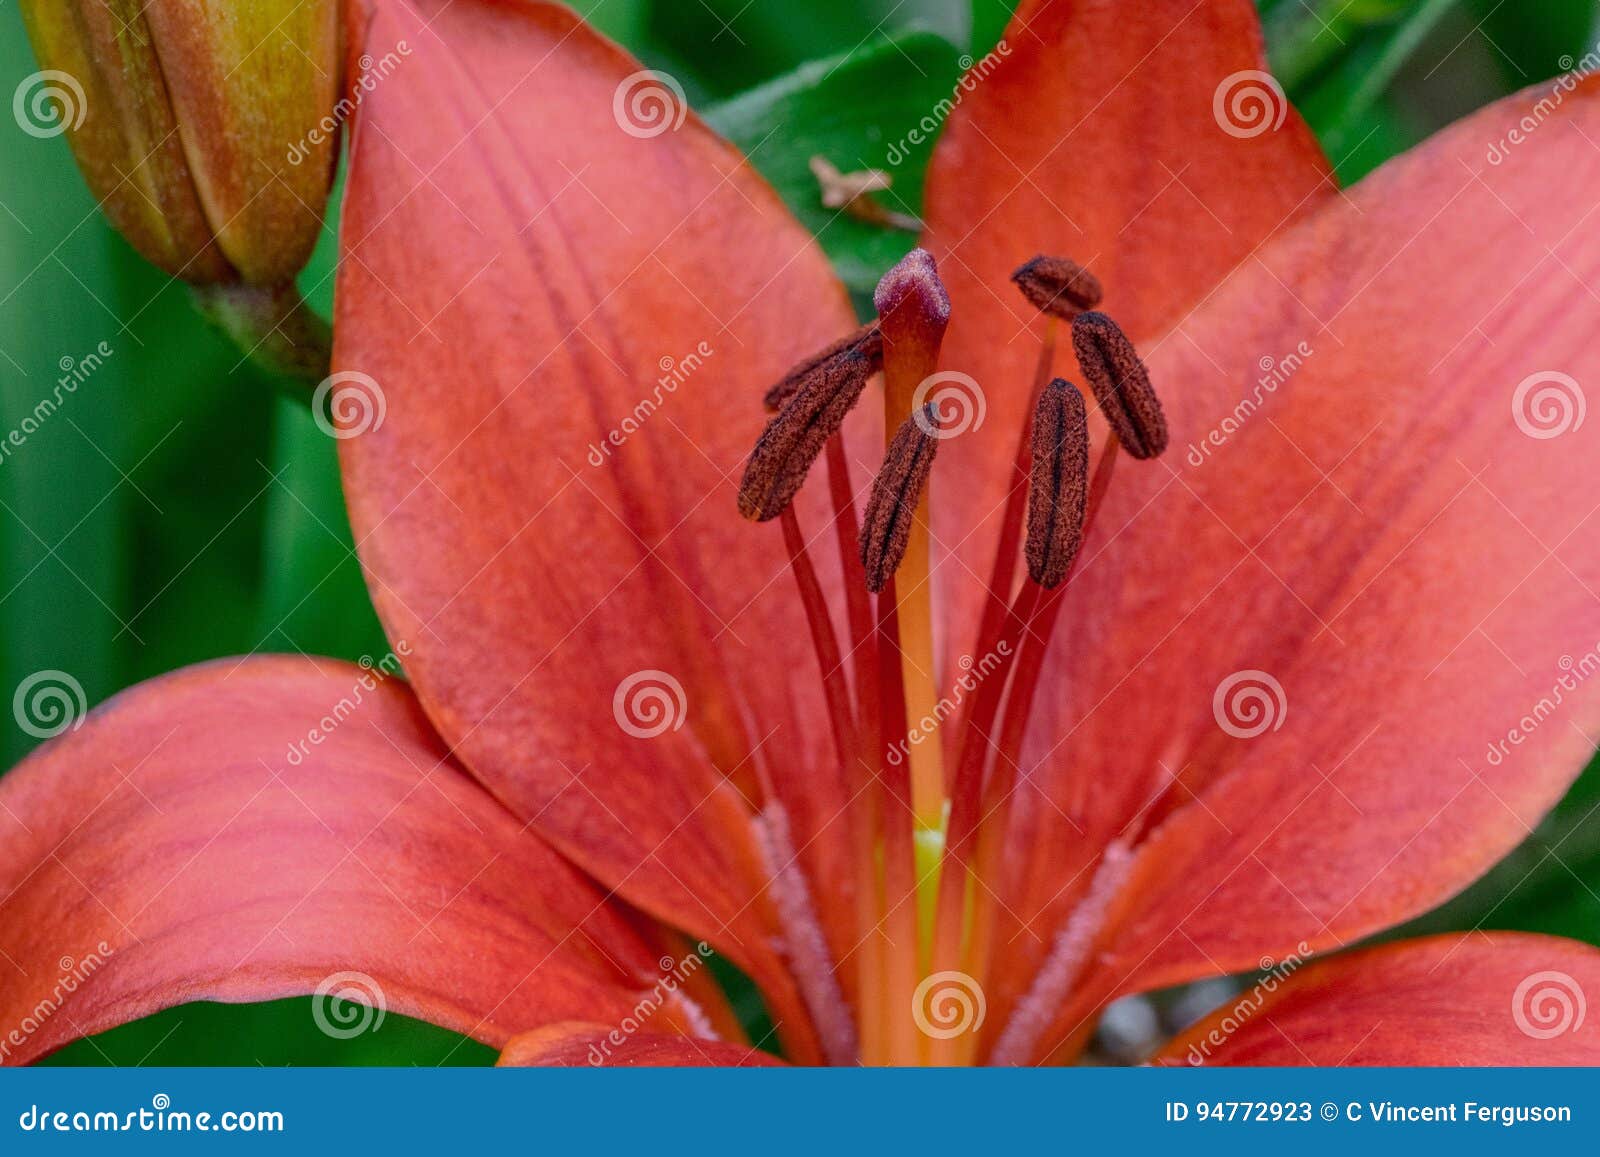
207,127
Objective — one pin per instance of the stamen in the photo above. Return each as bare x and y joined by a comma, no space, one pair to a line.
861,767
823,640
896,492
1020,1040
1003,571
806,946
866,341
967,819
792,441
1121,384
1039,609
1058,286
1059,488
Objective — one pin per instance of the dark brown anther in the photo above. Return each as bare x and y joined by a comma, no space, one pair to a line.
1058,489
1058,286
1121,384
793,439
895,494
866,341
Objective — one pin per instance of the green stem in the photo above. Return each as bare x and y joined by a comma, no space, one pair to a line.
272,325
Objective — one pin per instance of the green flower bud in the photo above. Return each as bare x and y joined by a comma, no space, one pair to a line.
202,129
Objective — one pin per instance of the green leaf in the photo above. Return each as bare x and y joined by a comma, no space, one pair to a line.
1550,884
272,1033
1340,64
729,45
989,20
622,20
1303,39
1533,40
875,108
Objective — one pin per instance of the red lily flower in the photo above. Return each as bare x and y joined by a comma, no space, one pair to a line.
1262,695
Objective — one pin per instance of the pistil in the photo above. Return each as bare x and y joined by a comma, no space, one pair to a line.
913,311
903,1045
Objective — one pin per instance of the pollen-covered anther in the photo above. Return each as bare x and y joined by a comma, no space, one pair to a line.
1058,286
793,439
1058,488
866,341
895,494
1121,384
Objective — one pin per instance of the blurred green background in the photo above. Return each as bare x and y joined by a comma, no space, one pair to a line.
179,507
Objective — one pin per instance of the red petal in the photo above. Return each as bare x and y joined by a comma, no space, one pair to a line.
1478,999
599,1046
1383,539
526,259
245,831
1096,138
